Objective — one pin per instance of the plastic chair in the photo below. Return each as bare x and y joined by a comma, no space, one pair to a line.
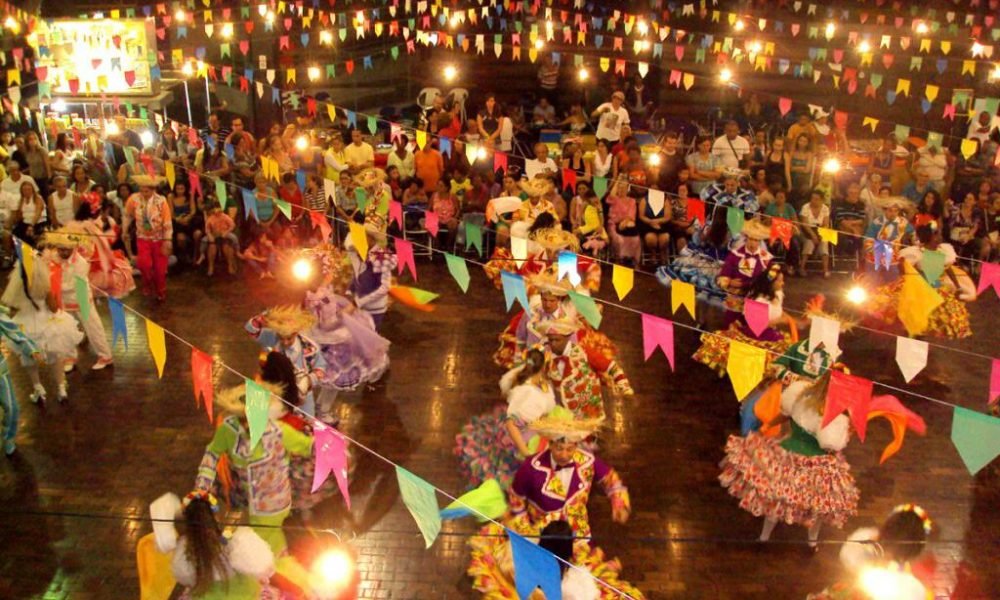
459,96
424,240
425,99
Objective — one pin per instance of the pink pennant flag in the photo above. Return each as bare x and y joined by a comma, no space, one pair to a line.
244,47
319,220
757,315
201,376
850,393
840,119
396,213
330,449
994,383
404,257
431,222
679,52
195,182
989,277
657,333
784,105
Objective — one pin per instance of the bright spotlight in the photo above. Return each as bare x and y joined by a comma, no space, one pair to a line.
227,31
864,47
755,47
301,142
654,160
187,69
147,139
583,74
12,24
922,28
333,572
830,30
539,44
455,21
313,73
857,295
725,76
450,73
269,17
831,165
111,128
480,153
739,25
302,269
180,16
326,37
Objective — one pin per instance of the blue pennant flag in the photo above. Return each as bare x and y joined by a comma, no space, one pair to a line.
230,151
445,144
513,289
250,204
534,567
352,118
300,178
118,328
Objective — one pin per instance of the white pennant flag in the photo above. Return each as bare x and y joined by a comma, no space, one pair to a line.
827,332
330,189
911,356
656,201
260,89
519,249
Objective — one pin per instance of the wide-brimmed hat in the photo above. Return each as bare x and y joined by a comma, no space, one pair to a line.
369,177
560,424
899,202
536,186
561,326
64,237
233,400
556,239
755,229
288,320
148,180
546,282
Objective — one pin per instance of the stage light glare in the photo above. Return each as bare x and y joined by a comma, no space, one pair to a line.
227,31
857,295
187,69
269,17
864,47
111,128
755,47
301,142
326,37
12,24
180,16
302,269
831,165
830,30
922,28
654,160
739,25
313,73
539,44
583,74
642,27
147,139
450,73
58,106
480,153
725,76
334,570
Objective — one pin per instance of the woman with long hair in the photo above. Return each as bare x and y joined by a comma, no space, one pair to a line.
800,165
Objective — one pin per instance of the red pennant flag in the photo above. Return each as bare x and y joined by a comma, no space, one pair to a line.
55,281
129,77
569,179
244,85
201,377
500,162
396,213
288,24
781,229
887,60
784,105
41,73
117,41
248,26
77,138
319,220
311,107
349,65
194,179
404,257
989,276
431,223
850,393
147,163
95,63
283,43
696,210
74,85
244,47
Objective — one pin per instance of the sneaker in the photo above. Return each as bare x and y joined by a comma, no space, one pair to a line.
63,393
69,366
9,447
38,394
102,363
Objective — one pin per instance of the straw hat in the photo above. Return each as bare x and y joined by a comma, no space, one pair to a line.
561,326
369,177
288,320
64,237
893,201
148,180
560,424
756,229
233,400
546,282
537,186
556,239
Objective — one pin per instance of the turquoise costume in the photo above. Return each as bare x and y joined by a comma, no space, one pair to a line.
8,402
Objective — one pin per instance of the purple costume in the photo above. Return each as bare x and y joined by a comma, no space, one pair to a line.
354,353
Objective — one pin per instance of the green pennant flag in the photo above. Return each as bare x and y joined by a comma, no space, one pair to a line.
143,113
372,124
225,50
361,195
735,219
474,237
244,12
600,186
284,207
82,297
902,133
976,436
422,296
331,71
394,51
130,159
586,306
932,264
220,193
257,401
343,34
421,501
459,270
488,501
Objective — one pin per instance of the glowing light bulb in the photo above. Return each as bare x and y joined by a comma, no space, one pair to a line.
539,44
227,30
864,47
333,570
583,74
642,27
830,30
922,28
831,165
180,16
313,73
725,76
301,142
755,47
739,25
12,24
977,49
187,70
450,73
302,269
480,153
58,106
269,17
326,37
654,160
147,139
455,21
857,295
111,128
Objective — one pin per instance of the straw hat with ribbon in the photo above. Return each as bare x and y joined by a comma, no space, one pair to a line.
288,320
64,237
755,229
148,180
537,186
547,283
561,326
561,425
369,177
899,202
553,239
232,401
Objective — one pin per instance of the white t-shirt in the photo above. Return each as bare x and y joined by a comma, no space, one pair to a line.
811,219
357,156
63,207
730,156
610,125
934,165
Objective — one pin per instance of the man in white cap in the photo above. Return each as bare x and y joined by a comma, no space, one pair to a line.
613,116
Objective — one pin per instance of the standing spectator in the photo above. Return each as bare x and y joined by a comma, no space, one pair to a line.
625,242
932,162
488,122
150,212
61,161
781,209
704,166
215,127
758,151
62,203
243,169
639,100
238,128
359,154
664,174
183,210
930,209
815,214
915,190
38,162
803,126
334,159
402,158
774,162
982,129
429,166
548,78
346,202
576,120
278,152
731,149
800,165
613,116
450,121
79,183
169,149
10,187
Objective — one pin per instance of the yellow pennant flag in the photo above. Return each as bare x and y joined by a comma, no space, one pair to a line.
605,64
290,76
359,238
828,235
945,46
917,300
157,345
870,122
931,92
622,278
925,45
688,80
745,366
866,59
969,148
968,66
171,175
28,260
331,112
903,87
177,56
682,294
421,138
532,54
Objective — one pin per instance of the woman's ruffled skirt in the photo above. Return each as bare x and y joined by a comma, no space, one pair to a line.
949,320
714,349
347,368
117,281
793,488
486,450
56,334
492,572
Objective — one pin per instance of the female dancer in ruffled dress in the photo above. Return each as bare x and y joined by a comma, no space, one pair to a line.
40,318
493,445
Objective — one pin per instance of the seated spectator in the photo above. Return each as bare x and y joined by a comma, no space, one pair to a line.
259,256
544,114
967,230
654,228
705,168
915,190
447,207
622,229
573,159
577,204
781,208
345,204
263,195
849,216
544,166
62,203
29,217
290,193
815,214
334,159
681,227
415,202
277,152
932,162
402,158
460,185
930,208
187,238
429,165
79,182
478,195
220,233
593,236
395,183
449,122
211,159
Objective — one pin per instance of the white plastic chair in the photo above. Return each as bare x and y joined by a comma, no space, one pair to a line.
425,99
459,96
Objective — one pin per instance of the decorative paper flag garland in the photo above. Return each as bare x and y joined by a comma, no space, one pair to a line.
421,501
911,356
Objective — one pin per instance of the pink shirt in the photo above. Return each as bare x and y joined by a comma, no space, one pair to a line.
445,206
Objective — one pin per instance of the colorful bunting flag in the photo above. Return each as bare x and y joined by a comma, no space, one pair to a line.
586,306
657,333
256,402
330,450
850,393
459,270
421,501
622,278
682,294
745,366
488,501
201,379
534,567
976,437
157,345
118,327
